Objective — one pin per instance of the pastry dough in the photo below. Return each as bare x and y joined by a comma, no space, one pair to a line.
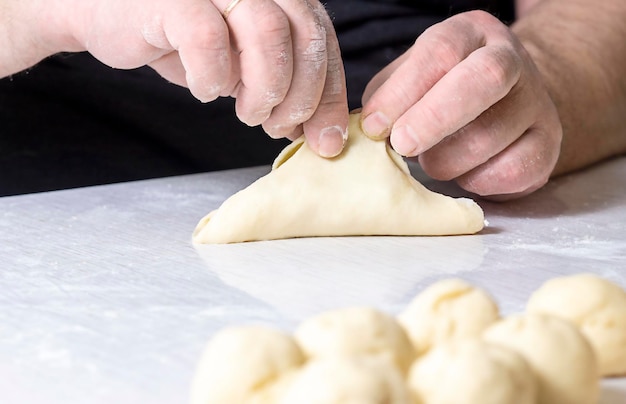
472,372
560,356
356,331
597,306
366,190
448,310
241,362
347,380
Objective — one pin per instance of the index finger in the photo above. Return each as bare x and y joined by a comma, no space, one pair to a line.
412,78
468,90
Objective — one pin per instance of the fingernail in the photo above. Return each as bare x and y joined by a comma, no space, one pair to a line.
331,141
376,125
404,141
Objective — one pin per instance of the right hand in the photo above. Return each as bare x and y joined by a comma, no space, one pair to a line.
279,58
468,100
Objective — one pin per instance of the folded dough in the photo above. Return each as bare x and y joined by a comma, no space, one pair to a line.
366,190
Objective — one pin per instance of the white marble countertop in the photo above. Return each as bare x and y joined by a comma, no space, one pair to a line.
103,299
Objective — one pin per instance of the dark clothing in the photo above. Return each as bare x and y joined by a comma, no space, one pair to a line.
71,121
372,33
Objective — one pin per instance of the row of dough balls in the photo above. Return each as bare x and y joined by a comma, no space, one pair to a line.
450,346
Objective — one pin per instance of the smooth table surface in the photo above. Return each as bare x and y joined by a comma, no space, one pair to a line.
103,298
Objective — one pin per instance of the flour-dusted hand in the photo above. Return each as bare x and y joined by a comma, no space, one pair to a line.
279,58
316,102
470,102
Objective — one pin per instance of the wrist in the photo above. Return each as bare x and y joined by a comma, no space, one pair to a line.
581,64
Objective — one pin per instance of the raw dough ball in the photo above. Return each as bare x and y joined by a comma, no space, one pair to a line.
558,353
448,310
348,380
274,392
239,362
597,306
356,331
471,372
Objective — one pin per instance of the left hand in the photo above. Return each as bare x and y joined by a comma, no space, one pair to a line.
469,101
280,59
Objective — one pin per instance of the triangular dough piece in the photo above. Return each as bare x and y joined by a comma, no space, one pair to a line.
366,190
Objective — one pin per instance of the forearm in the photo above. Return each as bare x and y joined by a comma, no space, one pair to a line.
579,48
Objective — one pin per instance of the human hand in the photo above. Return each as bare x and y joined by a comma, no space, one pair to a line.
469,101
279,58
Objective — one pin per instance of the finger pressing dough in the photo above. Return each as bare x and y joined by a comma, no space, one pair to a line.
366,190
597,306
470,372
240,362
451,309
348,380
560,356
356,331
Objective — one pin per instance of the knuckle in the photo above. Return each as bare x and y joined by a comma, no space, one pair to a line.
335,79
271,97
480,17
335,108
513,176
315,50
273,21
212,37
401,95
314,62
488,23
301,112
517,174
478,146
436,119
498,70
289,115
312,44
527,169
486,133
315,43
277,64
498,178
443,51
